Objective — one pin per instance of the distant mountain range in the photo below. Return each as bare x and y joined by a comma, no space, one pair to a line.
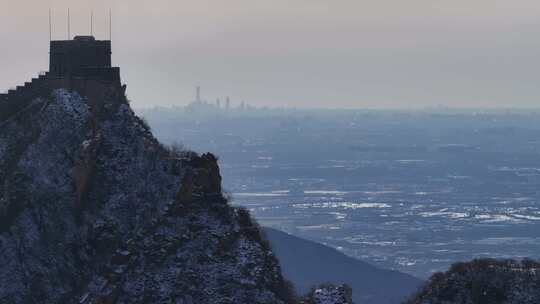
306,263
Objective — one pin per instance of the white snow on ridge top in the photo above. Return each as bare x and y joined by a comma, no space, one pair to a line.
71,104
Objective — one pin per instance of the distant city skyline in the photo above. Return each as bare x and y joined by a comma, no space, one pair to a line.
302,53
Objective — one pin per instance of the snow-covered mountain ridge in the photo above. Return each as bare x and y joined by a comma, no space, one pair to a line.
484,281
93,209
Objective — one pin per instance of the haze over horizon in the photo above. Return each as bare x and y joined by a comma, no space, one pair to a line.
351,54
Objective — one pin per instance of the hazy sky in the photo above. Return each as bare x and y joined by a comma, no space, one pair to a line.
331,53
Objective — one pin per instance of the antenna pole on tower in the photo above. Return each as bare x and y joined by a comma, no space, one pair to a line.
69,25
110,24
50,26
92,23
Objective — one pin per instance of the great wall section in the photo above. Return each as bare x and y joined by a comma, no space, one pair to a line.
82,65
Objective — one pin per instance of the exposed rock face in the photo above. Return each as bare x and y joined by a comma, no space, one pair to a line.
329,294
484,282
94,210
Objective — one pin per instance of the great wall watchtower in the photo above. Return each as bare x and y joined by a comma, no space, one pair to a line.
82,65
83,57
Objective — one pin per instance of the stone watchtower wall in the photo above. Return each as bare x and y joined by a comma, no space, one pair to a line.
82,57
82,65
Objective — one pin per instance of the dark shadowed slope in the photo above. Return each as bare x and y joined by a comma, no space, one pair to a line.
307,263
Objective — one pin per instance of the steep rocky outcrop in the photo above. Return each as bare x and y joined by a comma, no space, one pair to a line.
484,282
94,210
329,294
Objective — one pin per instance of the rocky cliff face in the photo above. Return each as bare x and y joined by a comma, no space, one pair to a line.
329,294
94,210
484,282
